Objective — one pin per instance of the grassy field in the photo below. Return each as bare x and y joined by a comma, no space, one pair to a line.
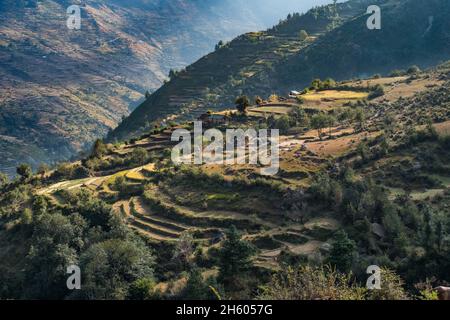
334,95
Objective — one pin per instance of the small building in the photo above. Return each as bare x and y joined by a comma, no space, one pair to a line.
294,94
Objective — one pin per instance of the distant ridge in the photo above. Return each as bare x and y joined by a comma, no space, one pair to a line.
275,61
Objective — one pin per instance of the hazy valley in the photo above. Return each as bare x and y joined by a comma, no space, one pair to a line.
60,89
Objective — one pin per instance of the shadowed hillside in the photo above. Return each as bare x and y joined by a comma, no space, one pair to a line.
60,89
339,45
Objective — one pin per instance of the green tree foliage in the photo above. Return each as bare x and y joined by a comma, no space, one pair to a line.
197,288
413,70
391,287
43,169
282,123
109,268
71,171
311,283
318,84
397,73
319,122
377,91
242,103
428,228
121,185
360,118
27,216
99,149
298,117
55,242
142,289
139,156
96,212
330,122
3,180
342,252
219,45
173,74
363,151
235,254
184,250
24,171
326,190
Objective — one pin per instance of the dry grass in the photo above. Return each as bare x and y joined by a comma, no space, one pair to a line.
373,82
135,176
272,109
406,90
443,129
334,95
339,146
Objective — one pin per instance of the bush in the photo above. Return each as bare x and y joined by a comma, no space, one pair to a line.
342,252
199,289
413,70
303,35
376,91
24,171
397,73
142,289
242,103
111,266
391,287
282,124
139,156
311,283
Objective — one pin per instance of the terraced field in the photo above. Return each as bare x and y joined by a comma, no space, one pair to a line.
159,216
162,206
143,220
241,66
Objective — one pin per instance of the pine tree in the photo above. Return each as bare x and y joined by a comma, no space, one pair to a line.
234,257
343,251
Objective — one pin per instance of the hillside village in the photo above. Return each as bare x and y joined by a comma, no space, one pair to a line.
364,135
363,177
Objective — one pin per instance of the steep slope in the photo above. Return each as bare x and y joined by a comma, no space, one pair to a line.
384,180
340,46
238,67
413,32
61,88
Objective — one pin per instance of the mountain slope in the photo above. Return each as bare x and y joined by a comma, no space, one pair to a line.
217,78
382,179
60,89
413,32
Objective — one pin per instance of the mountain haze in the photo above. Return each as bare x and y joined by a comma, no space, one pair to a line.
60,89
341,46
